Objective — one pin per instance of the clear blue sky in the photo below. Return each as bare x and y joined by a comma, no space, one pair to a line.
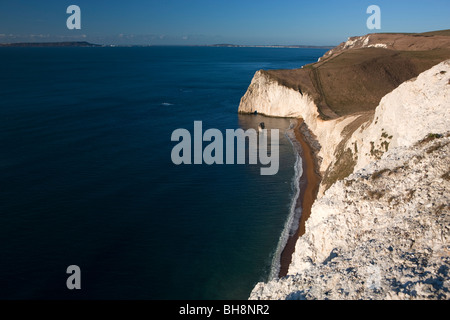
319,22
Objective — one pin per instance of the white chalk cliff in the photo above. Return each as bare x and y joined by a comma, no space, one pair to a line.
266,96
383,231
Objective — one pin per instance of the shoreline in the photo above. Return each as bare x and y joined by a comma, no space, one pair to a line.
309,187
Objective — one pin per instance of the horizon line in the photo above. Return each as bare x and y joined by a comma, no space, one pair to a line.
230,45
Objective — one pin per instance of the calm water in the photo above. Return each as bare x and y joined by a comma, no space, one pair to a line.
87,178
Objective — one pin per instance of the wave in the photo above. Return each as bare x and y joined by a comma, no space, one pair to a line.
166,104
292,222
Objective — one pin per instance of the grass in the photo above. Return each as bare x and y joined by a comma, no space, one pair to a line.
342,168
385,144
345,159
437,146
376,153
355,80
428,138
437,33
445,32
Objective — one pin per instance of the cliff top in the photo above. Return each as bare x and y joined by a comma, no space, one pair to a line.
354,76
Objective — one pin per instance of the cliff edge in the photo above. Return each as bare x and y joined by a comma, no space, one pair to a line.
379,227
382,233
354,76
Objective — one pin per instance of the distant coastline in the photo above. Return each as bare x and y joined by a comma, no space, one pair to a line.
88,44
50,44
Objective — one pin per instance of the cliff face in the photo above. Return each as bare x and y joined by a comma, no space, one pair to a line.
266,96
404,116
382,233
352,141
379,228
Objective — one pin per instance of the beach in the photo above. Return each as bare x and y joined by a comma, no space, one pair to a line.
309,186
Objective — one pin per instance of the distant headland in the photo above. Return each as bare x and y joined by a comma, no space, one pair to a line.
88,44
50,44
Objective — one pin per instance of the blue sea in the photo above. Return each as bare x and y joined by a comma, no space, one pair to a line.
86,176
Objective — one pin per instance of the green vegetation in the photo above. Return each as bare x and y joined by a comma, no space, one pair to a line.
434,148
376,153
436,33
385,144
345,159
353,81
342,168
428,138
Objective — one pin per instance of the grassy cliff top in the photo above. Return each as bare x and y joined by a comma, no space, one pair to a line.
354,76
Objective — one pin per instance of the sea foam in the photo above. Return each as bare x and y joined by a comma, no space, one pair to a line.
292,222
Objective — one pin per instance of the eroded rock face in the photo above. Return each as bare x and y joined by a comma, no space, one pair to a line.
411,111
266,96
404,116
382,233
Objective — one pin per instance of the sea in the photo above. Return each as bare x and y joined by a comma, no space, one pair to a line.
87,179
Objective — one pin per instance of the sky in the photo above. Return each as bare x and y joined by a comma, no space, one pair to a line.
200,22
